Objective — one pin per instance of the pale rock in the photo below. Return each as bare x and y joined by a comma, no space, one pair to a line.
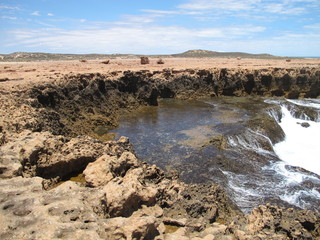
209,237
46,155
27,211
180,234
263,217
131,228
98,173
155,211
122,196
215,229
241,235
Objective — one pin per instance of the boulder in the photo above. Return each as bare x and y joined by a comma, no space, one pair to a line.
123,196
106,61
46,155
144,60
132,228
160,61
106,167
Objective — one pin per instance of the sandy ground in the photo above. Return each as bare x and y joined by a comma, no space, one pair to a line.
34,72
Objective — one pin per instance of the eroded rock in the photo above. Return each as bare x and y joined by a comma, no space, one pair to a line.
105,168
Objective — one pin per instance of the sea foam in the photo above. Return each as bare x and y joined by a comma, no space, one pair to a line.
301,146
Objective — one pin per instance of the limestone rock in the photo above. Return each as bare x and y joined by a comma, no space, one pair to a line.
105,168
132,228
125,195
28,211
283,222
46,155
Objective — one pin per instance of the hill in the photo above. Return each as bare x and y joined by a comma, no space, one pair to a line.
206,53
30,57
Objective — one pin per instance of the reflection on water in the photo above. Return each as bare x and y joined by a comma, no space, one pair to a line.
212,140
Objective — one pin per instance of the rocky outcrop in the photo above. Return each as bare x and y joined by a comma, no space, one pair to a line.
44,139
128,199
80,104
49,156
133,201
107,167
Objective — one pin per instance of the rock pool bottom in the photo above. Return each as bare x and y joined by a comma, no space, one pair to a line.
235,142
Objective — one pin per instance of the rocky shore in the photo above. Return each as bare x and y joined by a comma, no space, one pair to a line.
62,177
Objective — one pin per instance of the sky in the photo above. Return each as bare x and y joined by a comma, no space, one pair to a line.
278,27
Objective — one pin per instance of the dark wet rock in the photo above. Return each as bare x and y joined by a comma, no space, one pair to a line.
80,103
267,126
301,112
304,124
219,141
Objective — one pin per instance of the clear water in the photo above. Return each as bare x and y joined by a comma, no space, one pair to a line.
212,140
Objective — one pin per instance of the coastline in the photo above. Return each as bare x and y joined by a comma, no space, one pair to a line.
50,108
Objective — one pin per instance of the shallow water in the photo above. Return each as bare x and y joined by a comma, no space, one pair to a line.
213,140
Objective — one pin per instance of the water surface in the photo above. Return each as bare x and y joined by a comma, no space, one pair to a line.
225,140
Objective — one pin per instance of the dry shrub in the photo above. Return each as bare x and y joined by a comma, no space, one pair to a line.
83,60
144,60
288,60
160,61
238,58
106,61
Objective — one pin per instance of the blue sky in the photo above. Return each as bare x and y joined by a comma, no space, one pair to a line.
282,27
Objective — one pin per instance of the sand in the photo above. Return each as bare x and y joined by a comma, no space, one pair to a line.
17,73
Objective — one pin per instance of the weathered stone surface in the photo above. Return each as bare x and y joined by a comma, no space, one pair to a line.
288,223
27,210
105,168
125,195
132,228
46,155
127,198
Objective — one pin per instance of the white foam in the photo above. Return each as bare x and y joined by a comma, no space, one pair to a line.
314,103
296,198
301,146
250,140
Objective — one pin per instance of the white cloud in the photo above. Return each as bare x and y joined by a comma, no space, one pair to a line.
140,18
282,8
231,5
315,26
35,13
128,39
8,17
292,7
50,14
8,7
160,11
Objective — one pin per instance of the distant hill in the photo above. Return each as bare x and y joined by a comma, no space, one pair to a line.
29,57
209,54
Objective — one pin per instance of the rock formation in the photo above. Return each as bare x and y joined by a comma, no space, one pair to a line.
48,134
144,60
